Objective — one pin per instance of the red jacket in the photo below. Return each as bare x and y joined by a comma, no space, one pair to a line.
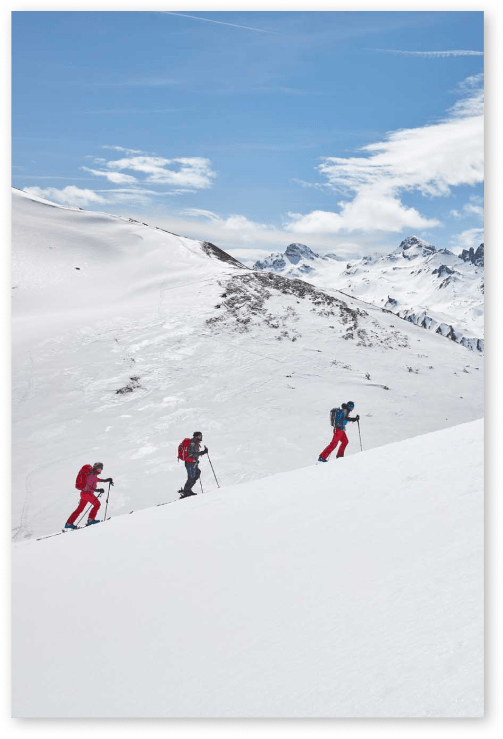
91,483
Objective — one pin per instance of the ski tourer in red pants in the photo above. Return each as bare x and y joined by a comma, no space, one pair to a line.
339,433
339,436
87,496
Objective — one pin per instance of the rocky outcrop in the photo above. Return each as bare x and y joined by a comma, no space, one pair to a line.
476,257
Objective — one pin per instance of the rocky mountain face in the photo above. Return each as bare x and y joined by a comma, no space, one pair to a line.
433,288
475,257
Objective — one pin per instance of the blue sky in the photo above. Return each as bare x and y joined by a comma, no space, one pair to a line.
345,131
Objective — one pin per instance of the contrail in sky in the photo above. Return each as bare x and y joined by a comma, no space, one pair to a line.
439,54
220,23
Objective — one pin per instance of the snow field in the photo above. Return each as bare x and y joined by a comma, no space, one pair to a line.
351,589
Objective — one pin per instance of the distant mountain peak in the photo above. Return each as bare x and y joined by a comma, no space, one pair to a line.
295,252
413,246
292,256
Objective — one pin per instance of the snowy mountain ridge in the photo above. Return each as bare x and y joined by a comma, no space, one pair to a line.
127,338
431,287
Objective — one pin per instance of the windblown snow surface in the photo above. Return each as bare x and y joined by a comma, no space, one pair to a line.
351,589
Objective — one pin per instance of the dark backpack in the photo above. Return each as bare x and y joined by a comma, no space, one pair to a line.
80,482
183,449
336,417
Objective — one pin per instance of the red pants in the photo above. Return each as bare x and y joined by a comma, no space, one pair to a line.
339,435
86,498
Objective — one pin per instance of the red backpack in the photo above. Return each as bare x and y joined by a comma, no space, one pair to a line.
183,449
80,482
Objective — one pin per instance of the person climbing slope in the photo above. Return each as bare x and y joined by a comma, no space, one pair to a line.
88,479
339,417
189,452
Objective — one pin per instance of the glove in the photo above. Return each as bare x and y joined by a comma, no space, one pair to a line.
357,418
109,479
205,451
99,490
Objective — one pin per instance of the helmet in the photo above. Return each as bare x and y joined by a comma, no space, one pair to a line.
350,404
197,435
97,464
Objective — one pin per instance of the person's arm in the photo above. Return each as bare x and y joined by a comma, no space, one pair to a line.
194,453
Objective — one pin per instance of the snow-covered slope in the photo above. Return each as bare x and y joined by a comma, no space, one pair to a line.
430,287
352,589
155,336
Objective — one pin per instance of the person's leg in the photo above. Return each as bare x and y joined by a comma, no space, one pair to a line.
78,510
330,448
96,506
344,443
192,476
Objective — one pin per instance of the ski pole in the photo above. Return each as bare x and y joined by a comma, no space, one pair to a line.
209,460
80,519
361,448
201,484
106,507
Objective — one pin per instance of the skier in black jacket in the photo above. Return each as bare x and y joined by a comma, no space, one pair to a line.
192,463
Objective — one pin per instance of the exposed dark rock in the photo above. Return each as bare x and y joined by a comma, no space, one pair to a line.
443,270
476,257
214,251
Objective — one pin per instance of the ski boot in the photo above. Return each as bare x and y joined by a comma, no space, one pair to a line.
184,494
70,526
90,523
320,459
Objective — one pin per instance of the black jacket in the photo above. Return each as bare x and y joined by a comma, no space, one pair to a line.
193,452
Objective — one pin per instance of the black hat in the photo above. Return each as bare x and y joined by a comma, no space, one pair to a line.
197,433
350,404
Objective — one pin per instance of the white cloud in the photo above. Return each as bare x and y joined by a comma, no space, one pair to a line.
372,209
466,239
200,213
192,172
121,148
251,255
70,195
474,207
118,178
241,236
475,81
430,160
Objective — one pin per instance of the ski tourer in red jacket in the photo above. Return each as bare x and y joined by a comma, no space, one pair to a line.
87,496
192,463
